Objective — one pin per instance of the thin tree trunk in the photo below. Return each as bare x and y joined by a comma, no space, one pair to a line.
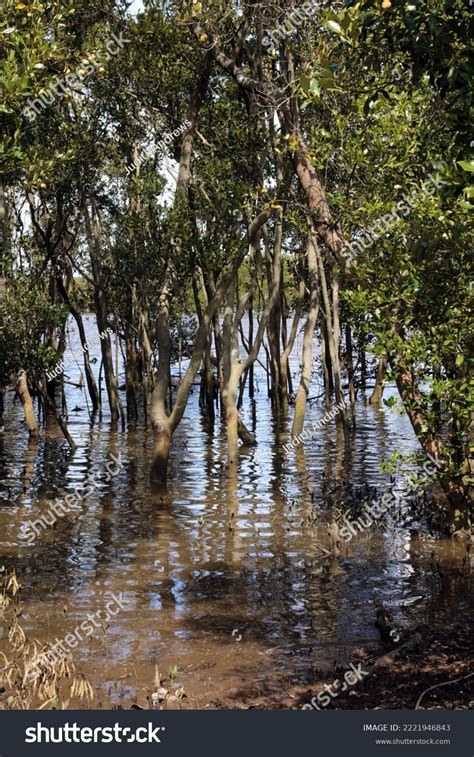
90,380
331,340
363,362
130,366
286,385
251,368
210,288
93,233
326,363
377,394
231,374
147,352
20,383
307,359
273,338
337,337
206,393
350,366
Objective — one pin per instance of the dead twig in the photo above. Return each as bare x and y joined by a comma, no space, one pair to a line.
438,685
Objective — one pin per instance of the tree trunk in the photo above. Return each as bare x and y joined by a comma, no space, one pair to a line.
307,359
363,361
232,370
350,366
285,375
20,383
130,367
251,369
326,363
90,380
332,342
161,426
273,338
93,233
377,394
337,338
161,451
206,392
232,419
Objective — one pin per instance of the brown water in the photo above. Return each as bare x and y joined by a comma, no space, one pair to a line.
222,576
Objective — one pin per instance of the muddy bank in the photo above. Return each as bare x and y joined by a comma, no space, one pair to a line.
437,671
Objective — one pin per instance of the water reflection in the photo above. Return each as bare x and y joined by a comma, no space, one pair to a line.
222,573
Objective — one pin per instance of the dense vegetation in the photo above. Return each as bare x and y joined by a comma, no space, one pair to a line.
197,175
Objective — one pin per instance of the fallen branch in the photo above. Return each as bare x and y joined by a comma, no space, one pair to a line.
438,685
73,383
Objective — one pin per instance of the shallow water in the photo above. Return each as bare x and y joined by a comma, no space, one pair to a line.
221,576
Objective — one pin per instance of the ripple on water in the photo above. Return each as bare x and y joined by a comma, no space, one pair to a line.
214,554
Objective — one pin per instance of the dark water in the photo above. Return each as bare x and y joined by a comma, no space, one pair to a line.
221,577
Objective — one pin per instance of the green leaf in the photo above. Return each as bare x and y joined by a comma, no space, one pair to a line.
467,165
334,26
